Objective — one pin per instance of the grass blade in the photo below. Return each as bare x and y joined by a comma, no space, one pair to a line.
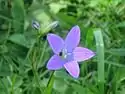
100,59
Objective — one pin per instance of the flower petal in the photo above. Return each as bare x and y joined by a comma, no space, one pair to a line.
55,63
72,39
81,54
72,68
56,43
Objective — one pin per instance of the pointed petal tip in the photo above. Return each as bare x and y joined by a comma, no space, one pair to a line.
92,54
82,54
75,76
55,42
77,27
73,38
49,34
49,67
73,69
55,63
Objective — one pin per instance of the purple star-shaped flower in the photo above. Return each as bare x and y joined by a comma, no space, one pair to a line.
66,52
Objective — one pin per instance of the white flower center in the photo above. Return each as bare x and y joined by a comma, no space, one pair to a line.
64,53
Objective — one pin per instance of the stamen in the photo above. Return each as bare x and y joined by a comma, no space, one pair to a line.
64,53
60,54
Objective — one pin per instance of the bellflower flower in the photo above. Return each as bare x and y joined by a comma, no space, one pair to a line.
66,52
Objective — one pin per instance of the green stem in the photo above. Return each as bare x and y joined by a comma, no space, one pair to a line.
36,78
42,54
48,89
44,73
50,79
8,33
6,89
34,69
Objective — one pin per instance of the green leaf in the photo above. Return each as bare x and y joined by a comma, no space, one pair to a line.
89,38
20,39
118,52
60,83
3,49
55,7
62,74
121,24
4,69
119,75
4,86
100,59
18,82
65,20
115,64
49,86
80,89
18,14
18,91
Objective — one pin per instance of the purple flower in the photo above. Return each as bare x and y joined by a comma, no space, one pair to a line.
66,52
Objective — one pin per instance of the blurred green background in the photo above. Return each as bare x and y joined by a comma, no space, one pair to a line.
24,50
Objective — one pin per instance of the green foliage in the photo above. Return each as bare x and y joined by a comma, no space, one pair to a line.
24,51
18,14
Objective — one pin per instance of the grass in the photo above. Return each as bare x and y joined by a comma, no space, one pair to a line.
24,51
100,59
